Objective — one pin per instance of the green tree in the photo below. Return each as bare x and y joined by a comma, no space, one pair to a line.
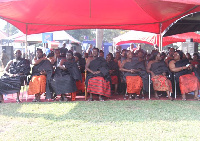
109,34
90,34
10,29
82,34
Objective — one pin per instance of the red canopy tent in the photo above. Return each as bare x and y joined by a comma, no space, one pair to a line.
152,38
136,37
181,38
36,16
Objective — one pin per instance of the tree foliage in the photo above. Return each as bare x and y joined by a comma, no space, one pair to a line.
10,29
109,34
82,34
90,34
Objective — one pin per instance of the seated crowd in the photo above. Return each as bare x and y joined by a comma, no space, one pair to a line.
64,73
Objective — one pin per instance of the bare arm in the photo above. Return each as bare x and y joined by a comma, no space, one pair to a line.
61,64
87,67
7,68
149,68
36,61
173,68
88,64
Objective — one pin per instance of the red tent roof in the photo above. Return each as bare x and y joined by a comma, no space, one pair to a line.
181,38
152,38
52,15
136,37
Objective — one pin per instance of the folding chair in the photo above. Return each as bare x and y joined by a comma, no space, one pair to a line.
149,86
175,85
86,94
25,87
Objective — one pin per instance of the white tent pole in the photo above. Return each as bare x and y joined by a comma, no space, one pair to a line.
26,43
160,38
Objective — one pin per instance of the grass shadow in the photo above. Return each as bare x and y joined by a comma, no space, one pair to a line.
108,111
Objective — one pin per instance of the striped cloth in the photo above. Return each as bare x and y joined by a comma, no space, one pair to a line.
98,85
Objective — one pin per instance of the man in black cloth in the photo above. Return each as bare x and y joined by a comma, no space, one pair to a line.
65,77
98,78
14,76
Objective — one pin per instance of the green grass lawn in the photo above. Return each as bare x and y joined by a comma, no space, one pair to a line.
109,120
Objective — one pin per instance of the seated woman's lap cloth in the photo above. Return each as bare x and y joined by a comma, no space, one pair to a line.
188,83
134,84
114,79
98,85
161,83
37,85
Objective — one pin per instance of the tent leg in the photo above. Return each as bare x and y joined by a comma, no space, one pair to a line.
149,86
26,43
85,86
160,38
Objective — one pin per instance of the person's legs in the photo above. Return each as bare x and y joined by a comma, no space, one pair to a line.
35,99
91,97
1,98
183,97
131,96
100,98
38,97
17,100
168,94
196,93
156,94
63,97
116,86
